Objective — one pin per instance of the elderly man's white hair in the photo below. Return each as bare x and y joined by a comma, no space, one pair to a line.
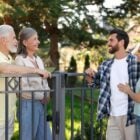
5,30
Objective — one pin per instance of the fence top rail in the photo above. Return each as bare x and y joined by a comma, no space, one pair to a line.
71,73
19,75
21,90
22,75
37,75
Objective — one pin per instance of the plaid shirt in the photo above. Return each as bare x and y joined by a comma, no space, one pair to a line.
102,80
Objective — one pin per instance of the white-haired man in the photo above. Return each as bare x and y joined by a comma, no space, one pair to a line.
8,43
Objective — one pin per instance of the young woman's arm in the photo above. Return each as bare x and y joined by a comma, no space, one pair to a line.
126,89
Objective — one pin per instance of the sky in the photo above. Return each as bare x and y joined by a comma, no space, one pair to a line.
107,4
112,3
94,10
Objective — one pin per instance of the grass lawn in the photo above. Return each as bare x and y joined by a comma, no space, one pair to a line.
77,112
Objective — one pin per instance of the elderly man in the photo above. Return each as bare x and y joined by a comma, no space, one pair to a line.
8,43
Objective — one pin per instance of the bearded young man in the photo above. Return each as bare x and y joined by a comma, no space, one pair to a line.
113,103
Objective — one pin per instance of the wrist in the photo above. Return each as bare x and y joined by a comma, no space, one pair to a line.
35,71
130,93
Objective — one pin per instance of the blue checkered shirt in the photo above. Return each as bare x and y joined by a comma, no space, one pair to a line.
102,80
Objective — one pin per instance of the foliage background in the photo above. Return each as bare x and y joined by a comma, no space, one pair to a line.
69,23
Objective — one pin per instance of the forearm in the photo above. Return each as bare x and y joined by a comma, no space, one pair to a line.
134,96
14,69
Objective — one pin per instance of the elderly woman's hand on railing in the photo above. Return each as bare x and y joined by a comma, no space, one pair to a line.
43,73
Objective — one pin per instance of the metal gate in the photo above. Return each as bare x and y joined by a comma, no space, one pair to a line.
73,107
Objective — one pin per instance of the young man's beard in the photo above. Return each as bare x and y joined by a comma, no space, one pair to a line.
114,49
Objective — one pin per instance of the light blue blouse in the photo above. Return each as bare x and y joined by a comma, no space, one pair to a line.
137,105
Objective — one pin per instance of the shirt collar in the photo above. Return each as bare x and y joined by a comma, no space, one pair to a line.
6,58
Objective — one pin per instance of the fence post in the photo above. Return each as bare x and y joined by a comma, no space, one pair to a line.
59,106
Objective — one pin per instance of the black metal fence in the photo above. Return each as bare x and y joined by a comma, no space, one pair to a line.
72,107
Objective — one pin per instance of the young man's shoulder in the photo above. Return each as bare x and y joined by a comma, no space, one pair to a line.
132,57
108,61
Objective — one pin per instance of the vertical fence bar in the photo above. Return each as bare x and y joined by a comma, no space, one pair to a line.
91,115
82,113
72,115
54,85
6,108
20,108
33,100
62,108
100,123
59,107
45,117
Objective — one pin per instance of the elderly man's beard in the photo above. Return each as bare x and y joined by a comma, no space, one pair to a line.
12,49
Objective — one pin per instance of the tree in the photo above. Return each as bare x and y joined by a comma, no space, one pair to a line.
121,15
46,15
72,68
87,62
66,21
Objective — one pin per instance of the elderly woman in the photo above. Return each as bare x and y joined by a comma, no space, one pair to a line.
26,56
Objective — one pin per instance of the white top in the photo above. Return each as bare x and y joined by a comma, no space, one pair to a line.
32,83
118,99
137,105
12,96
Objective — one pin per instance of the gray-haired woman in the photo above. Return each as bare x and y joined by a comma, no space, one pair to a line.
28,46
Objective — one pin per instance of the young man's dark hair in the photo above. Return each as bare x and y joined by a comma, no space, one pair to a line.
121,35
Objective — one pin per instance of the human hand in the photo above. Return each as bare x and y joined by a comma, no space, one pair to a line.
43,73
89,75
125,88
45,100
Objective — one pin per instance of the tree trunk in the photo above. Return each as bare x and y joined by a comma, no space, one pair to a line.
8,20
53,52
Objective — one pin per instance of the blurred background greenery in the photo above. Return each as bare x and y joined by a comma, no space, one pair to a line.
73,33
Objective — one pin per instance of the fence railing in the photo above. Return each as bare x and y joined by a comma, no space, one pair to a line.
73,106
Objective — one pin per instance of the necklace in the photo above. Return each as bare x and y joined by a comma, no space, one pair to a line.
34,62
